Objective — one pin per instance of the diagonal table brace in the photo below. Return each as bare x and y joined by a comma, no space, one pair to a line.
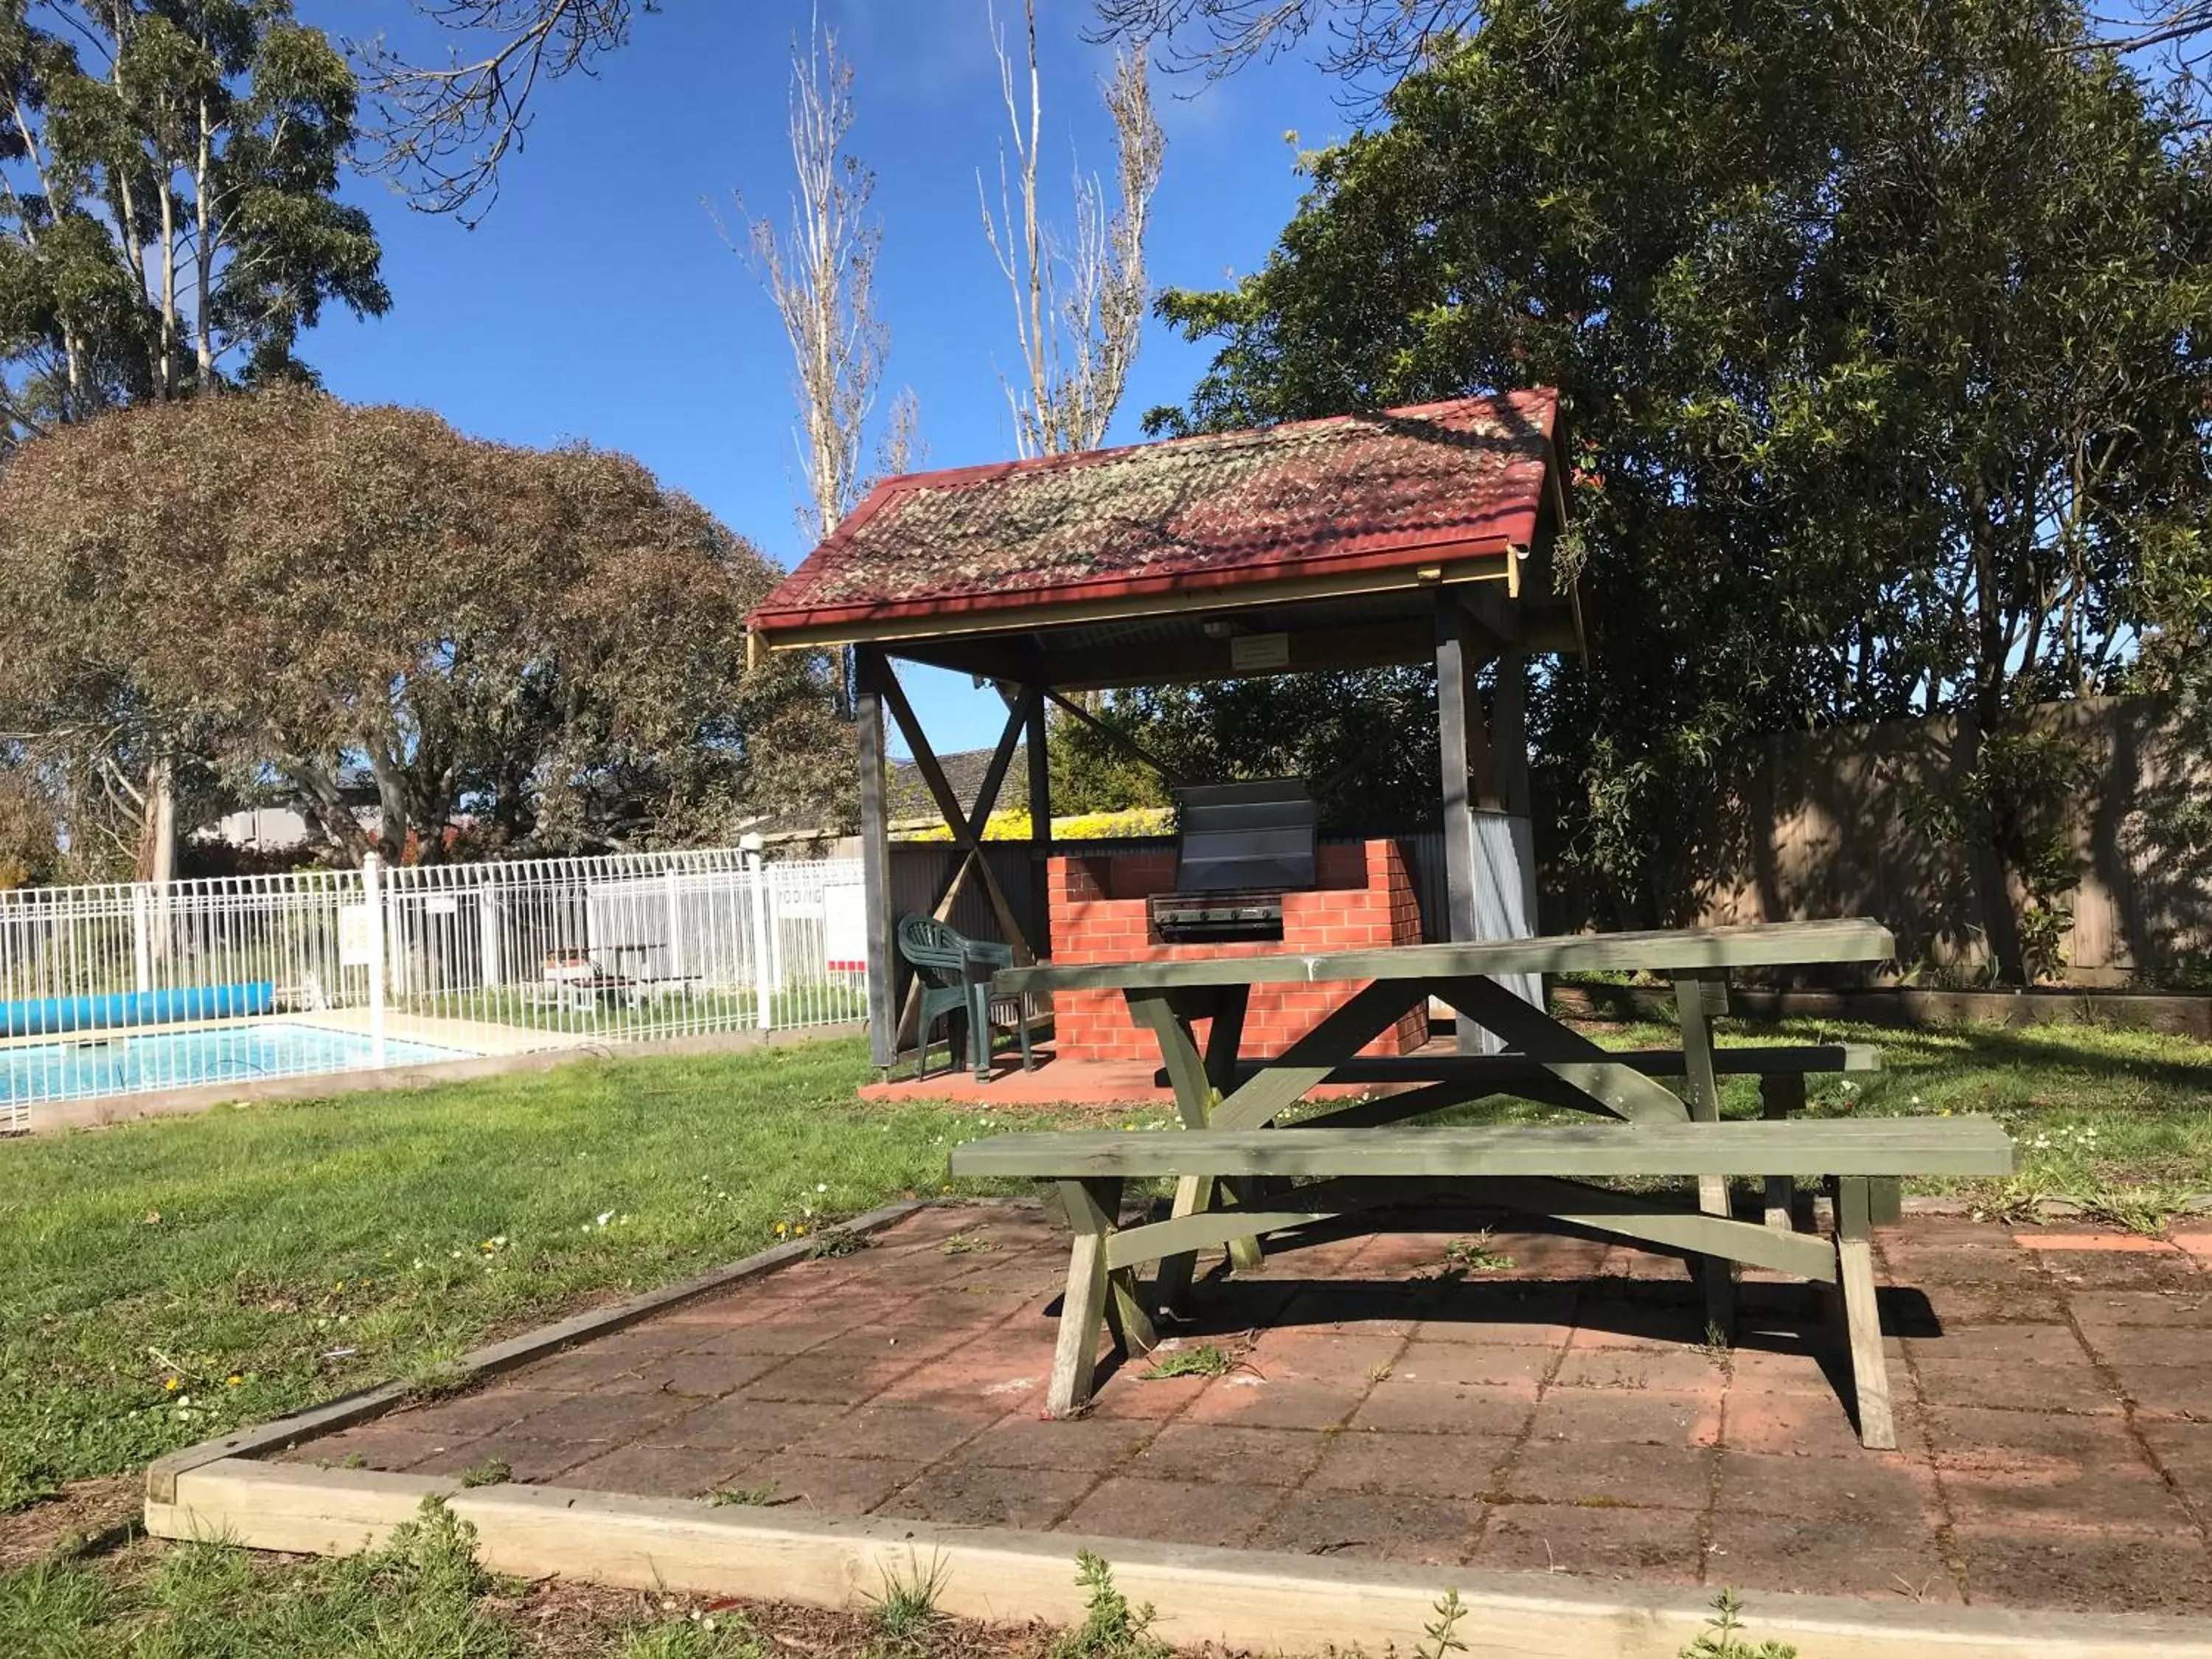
1604,1084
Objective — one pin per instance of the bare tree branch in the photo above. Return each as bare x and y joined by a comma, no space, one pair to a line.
821,274
1079,306
443,131
1371,39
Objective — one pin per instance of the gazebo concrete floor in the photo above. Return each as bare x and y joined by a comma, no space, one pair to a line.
1557,1415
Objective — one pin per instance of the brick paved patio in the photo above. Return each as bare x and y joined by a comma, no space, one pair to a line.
2055,1411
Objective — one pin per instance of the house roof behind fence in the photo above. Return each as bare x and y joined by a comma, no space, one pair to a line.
1352,498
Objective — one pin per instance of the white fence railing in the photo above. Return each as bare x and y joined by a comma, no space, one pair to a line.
127,988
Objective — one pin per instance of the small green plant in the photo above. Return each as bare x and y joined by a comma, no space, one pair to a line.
1205,1360
491,1472
1111,1628
2148,1210
1474,1255
700,1636
838,1241
750,1497
1440,1635
906,1609
969,1244
1722,1637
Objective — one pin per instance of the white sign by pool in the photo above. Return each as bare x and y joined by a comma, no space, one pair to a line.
845,927
357,940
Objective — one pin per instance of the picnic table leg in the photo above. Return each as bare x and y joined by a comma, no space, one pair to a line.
1779,1094
1090,1209
1188,1074
1696,999
1862,1314
1222,1039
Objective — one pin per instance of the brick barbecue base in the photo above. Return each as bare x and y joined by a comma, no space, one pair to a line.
1365,898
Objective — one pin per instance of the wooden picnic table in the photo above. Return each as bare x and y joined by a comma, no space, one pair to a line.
1218,1090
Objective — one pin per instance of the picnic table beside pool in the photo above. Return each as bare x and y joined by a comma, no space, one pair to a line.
1234,1162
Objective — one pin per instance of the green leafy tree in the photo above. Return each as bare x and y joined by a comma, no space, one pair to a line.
1877,328
281,589
168,219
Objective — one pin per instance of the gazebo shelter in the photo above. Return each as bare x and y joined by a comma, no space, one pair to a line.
1407,536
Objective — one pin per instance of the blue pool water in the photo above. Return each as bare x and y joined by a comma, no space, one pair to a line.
131,1062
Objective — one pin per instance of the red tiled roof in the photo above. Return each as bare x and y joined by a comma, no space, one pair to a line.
1386,491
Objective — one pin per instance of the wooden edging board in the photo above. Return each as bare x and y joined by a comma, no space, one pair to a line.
162,1475
1245,1598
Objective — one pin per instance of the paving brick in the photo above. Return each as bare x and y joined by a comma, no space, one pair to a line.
467,1415
1375,1526
1644,1416
1231,1453
1165,1511
2167,1307
2072,1386
1805,1425
388,1445
1898,1560
1458,1467
971,1495
654,1471
1609,1472
706,1375
1658,1545
595,1417
2005,1470
1089,1444
2168,1391
903,1433
1475,1364
829,1380
1261,1403
537,1461
1667,1371
1601,1323
1875,1491
2090,1574
2152,1345
739,1424
1403,1405
828,1486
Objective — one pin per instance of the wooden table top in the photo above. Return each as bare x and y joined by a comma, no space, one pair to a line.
1675,951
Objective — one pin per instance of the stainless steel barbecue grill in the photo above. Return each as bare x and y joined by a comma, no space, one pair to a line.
1239,847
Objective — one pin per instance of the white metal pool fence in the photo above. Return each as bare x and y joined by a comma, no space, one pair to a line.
379,964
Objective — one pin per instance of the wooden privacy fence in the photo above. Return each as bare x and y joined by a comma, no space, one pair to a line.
1828,825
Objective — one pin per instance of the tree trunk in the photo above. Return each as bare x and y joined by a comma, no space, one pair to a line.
1991,879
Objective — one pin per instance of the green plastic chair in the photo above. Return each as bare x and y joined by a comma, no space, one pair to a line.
955,972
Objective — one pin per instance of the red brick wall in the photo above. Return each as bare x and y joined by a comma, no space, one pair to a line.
1365,900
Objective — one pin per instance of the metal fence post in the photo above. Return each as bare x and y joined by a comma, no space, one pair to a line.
371,895
764,980
142,935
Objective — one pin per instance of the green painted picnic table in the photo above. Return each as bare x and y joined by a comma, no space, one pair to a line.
1545,1061
1234,1161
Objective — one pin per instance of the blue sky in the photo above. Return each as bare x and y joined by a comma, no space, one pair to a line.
600,301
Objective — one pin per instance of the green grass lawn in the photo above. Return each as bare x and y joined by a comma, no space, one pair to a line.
2118,1121
165,1280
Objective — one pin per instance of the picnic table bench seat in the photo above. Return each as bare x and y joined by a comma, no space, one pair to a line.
1543,1167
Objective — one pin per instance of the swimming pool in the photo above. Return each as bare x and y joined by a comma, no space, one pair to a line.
131,1062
